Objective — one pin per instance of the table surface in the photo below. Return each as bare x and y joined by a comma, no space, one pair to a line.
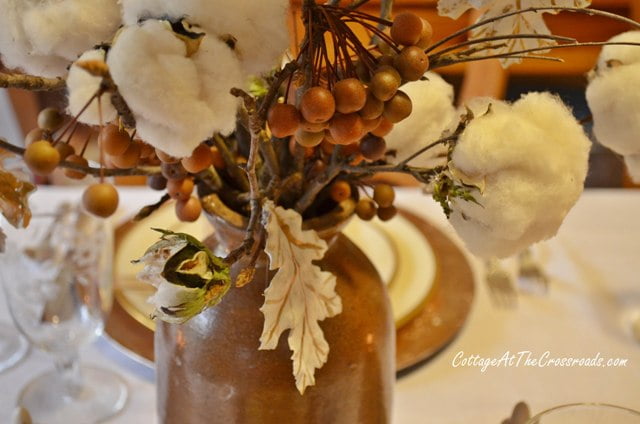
594,263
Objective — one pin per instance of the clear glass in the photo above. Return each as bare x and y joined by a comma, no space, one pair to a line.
57,279
587,413
13,347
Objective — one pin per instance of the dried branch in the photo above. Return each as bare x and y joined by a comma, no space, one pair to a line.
522,54
146,211
502,37
591,12
139,171
30,82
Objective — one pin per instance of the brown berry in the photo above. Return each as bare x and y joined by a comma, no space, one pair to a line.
173,171
180,189
427,35
372,108
385,214
283,120
199,160
129,158
314,127
384,195
385,82
189,210
371,124
317,105
113,140
406,29
34,135
65,150
157,182
346,129
41,157
340,191
350,95
386,59
73,173
366,209
101,199
412,63
165,158
216,158
398,108
309,139
146,150
384,127
50,119
327,145
294,146
372,147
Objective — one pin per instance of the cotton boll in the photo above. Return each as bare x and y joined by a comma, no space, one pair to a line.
433,113
633,167
615,106
530,161
259,27
82,86
623,54
43,37
177,101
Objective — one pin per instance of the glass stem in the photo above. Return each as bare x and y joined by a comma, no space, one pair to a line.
69,371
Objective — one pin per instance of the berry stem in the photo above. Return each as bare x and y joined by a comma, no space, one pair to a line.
30,82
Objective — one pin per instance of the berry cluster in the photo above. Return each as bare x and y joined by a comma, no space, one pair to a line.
358,111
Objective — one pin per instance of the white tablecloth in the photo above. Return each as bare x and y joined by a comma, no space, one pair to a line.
595,265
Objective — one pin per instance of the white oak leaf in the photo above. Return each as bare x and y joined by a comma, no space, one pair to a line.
523,23
300,293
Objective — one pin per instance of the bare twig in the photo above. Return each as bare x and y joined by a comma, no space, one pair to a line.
502,37
522,54
146,211
591,12
30,82
232,167
139,171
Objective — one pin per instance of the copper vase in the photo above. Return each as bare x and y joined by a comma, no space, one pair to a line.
209,370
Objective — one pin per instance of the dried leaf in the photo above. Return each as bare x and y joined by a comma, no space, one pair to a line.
3,240
524,23
300,294
14,194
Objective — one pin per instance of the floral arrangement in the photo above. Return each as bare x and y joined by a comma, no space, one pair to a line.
205,97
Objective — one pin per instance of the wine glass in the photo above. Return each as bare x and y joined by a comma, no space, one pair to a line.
587,413
13,347
57,279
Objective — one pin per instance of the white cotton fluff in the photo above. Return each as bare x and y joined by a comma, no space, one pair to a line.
433,113
177,101
530,161
259,27
82,86
626,54
44,37
615,102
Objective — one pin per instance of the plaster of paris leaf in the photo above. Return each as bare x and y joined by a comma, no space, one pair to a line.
300,294
187,276
14,196
524,23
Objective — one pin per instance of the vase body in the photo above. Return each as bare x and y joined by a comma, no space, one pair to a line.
209,370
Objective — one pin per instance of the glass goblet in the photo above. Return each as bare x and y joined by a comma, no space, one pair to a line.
57,279
587,413
13,347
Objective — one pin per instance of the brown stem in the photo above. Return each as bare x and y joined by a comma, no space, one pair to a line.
230,163
452,59
140,171
591,12
30,82
503,37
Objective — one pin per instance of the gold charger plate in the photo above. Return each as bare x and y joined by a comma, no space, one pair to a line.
432,326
